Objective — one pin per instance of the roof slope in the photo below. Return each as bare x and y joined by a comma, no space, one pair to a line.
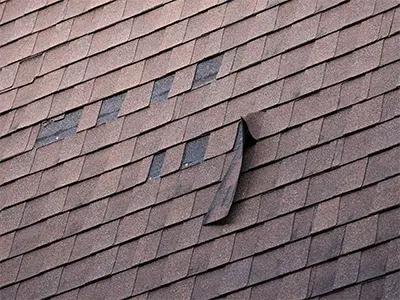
118,119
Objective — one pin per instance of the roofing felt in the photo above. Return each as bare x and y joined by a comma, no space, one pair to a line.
103,192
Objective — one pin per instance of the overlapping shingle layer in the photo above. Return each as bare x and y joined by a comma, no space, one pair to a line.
87,212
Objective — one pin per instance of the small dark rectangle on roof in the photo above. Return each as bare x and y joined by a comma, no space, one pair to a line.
156,165
207,71
195,151
161,88
110,108
58,128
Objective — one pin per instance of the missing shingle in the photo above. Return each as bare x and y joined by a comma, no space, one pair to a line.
194,151
207,71
110,108
156,165
58,128
161,88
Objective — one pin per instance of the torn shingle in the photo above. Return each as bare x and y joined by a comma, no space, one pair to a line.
156,165
194,151
110,108
58,128
207,71
161,88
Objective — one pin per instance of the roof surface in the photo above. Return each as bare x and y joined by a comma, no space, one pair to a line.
118,120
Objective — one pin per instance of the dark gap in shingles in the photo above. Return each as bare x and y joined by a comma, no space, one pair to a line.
161,88
58,128
194,151
207,71
156,165
110,108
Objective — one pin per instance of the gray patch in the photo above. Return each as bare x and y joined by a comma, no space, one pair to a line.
207,71
110,108
58,128
161,88
195,151
156,165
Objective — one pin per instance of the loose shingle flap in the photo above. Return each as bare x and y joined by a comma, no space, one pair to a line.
222,202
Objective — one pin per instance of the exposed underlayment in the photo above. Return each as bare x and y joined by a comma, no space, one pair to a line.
118,121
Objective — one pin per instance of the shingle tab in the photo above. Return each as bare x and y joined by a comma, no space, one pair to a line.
161,88
207,70
195,151
58,128
110,108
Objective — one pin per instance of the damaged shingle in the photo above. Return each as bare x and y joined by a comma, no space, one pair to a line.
110,108
207,71
161,88
156,165
58,128
195,151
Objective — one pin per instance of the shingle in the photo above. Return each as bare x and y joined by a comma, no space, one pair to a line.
276,232
40,286
352,292
266,266
86,217
9,270
94,240
392,287
161,88
137,251
360,234
383,165
267,291
326,245
45,258
10,218
87,269
58,128
206,71
326,215
386,230
373,262
347,270
393,262
180,236
337,181
110,108
302,223
44,206
323,278
118,286
194,151
133,225
372,289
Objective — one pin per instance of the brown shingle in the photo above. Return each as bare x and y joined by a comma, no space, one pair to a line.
347,270
45,258
326,245
360,234
40,286
373,262
133,225
86,217
337,181
66,54
87,269
44,206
